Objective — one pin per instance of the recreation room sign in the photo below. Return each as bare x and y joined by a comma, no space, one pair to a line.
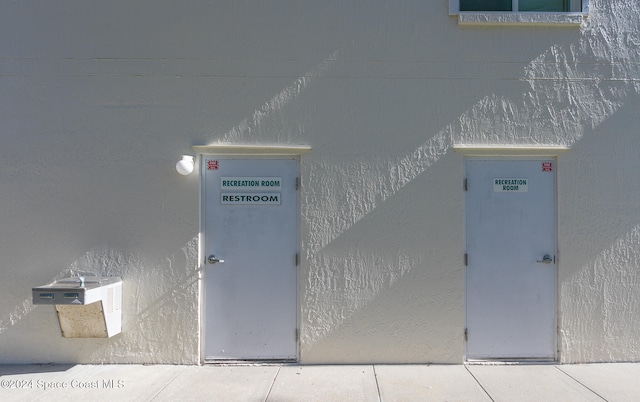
254,187
510,185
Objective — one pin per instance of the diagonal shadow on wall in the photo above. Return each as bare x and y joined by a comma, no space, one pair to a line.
566,99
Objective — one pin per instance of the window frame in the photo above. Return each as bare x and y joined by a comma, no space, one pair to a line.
575,6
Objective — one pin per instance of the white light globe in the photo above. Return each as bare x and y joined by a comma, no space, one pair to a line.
185,165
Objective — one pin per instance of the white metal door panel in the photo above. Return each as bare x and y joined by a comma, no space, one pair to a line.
510,285
250,222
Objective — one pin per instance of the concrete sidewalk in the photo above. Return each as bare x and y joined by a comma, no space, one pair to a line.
592,382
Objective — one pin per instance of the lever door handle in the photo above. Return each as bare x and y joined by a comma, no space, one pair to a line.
546,259
213,259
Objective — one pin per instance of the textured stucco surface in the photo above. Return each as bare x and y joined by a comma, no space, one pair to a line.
99,99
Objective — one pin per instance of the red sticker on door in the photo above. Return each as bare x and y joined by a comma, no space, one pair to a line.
213,165
547,166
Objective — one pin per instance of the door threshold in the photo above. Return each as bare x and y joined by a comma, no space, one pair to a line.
510,361
250,362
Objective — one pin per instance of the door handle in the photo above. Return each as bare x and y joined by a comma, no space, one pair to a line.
546,259
212,259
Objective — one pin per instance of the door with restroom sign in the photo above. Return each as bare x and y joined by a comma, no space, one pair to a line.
511,272
250,245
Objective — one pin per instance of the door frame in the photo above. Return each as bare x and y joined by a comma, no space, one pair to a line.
519,154
249,152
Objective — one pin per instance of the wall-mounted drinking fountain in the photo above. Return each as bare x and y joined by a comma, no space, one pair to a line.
87,306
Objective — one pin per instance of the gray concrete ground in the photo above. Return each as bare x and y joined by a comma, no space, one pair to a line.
585,382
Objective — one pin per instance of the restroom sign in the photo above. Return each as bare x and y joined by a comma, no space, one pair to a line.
510,185
251,183
250,198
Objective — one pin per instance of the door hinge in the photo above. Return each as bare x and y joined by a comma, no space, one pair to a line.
466,259
297,335
297,260
465,185
297,183
466,334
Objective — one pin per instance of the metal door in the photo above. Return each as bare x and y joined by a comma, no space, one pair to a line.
250,245
511,259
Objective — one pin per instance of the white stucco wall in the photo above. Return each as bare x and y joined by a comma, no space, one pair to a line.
98,100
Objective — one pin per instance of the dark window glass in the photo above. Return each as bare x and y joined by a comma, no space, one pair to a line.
542,5
523,5
485,5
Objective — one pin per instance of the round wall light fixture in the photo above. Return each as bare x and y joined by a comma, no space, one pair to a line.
185,165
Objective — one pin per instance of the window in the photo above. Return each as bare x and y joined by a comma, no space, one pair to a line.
536,6
519,12
509,5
